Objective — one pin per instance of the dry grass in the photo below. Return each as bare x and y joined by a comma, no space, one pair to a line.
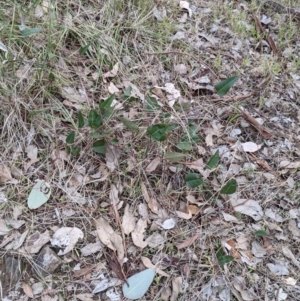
78,43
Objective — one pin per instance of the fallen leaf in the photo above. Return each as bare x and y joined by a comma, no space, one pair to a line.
27,290
66,237
84,271
112,295
153,164
290,165
128,221
278,269
112,89
250,147
230,218
176,288
4,229
188,242
148,264
155,240
258,250
85,297
112,156
5,174
289,254
104,284
248,207
108,236
153,205
36,241
137,234
91,248
113,72
184,215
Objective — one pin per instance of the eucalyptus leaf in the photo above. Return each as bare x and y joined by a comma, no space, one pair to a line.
174,157
39,194
224,86
192,180
138,284
229,188
213,161
29,32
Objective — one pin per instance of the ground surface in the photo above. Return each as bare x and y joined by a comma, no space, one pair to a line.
121,202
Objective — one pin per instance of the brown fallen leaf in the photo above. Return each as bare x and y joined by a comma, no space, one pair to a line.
128,221
260,162
5,174
188,242
148,264
27,290
137,234
153,164
115,265
83,271
176,288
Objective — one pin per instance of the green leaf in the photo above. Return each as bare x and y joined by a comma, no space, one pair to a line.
83,50
29,32
223,259
152,104
192,180
138,284
106,104
184,146
80,120
174,157
127,92
223,87
99,136
94,119
70,138
158,132
261,233
229,188
213,161
39,194
99,147
73,150
129,124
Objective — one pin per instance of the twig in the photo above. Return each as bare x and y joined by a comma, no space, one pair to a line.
184,53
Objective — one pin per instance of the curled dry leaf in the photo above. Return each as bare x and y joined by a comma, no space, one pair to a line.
186,5
5,174
290,165
66,237
169,224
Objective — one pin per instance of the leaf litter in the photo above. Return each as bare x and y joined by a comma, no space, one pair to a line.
132,202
